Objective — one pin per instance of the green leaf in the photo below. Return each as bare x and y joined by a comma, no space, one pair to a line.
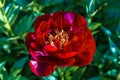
24,24
23,78
2,64
112,72
18,77
91,6
97,57
2,23
4,74
96,78
18,65
114,49
22,2
77,75
50,2
106,31
49,78
2,16
111,58
94,32
118,30
94,26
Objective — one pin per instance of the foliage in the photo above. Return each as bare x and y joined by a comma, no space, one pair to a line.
16,20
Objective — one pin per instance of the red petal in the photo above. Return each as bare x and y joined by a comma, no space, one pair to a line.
64,55
80,21
56,20
41,33
30,37
34,49
50,49
43,27
41,69
56,61
82,62
36,53
40,19
66,62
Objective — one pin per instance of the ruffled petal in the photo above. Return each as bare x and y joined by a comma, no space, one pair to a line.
36,53
82,62
34,49
64,55
41,69
56,20
50,49
40,19
43,27
87,50
56,61
41,33
53,51
30,37
80,21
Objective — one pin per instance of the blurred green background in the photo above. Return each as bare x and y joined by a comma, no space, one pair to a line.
16,20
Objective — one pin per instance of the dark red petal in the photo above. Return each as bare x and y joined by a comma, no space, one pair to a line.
40,39
40,19
56,20
34,49
82,62
87,50
41,33
66,62
43,27
41,69
50,49
56,61
64,55
30,37
80,21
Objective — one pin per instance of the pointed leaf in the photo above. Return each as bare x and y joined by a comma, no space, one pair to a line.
17,67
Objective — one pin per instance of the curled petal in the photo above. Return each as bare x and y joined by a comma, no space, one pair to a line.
56,20
53,51
40,39
50,49
64,55
41,33
40,19
35,53
41,69
43,27
34,49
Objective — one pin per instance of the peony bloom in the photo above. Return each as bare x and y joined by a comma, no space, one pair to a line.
60,39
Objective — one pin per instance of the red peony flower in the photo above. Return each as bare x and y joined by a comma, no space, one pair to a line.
60,39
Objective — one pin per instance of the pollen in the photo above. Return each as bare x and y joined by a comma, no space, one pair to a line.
61,36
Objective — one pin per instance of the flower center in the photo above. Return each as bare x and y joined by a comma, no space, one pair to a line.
59,39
